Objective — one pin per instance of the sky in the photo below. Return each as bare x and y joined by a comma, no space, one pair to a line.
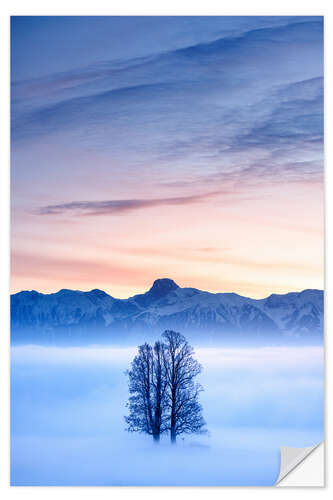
180,147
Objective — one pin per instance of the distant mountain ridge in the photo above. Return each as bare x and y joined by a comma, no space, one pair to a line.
74,314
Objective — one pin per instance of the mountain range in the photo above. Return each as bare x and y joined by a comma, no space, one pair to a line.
94,316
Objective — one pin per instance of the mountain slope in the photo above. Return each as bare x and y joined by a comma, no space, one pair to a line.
75,314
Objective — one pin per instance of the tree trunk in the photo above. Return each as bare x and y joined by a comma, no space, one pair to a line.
156,438
173,414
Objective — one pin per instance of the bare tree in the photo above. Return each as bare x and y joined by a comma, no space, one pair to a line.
147,386
163,393
185,411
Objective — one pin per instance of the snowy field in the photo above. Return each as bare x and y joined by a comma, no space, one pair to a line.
67,426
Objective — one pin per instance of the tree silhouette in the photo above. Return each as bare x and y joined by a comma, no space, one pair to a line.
147,386
163,393
185,411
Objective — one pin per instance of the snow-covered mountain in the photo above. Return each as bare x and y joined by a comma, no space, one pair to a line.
96,315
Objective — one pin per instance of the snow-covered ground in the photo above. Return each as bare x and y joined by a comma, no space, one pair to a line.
67,408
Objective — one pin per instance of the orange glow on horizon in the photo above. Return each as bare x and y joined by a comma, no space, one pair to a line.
252,247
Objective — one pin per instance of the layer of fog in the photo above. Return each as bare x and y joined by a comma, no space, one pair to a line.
68,405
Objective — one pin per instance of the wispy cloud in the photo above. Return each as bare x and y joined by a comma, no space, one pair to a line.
115,207
262,108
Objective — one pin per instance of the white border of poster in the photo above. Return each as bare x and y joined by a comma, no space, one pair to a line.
149,7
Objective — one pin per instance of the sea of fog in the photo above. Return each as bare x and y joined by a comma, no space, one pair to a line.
67,426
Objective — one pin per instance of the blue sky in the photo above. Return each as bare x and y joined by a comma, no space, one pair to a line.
125,117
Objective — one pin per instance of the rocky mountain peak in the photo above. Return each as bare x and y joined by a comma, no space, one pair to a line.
163,286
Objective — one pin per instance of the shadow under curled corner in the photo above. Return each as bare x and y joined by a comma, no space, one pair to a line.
302,466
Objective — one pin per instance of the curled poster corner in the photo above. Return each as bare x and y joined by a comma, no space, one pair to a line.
292,458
